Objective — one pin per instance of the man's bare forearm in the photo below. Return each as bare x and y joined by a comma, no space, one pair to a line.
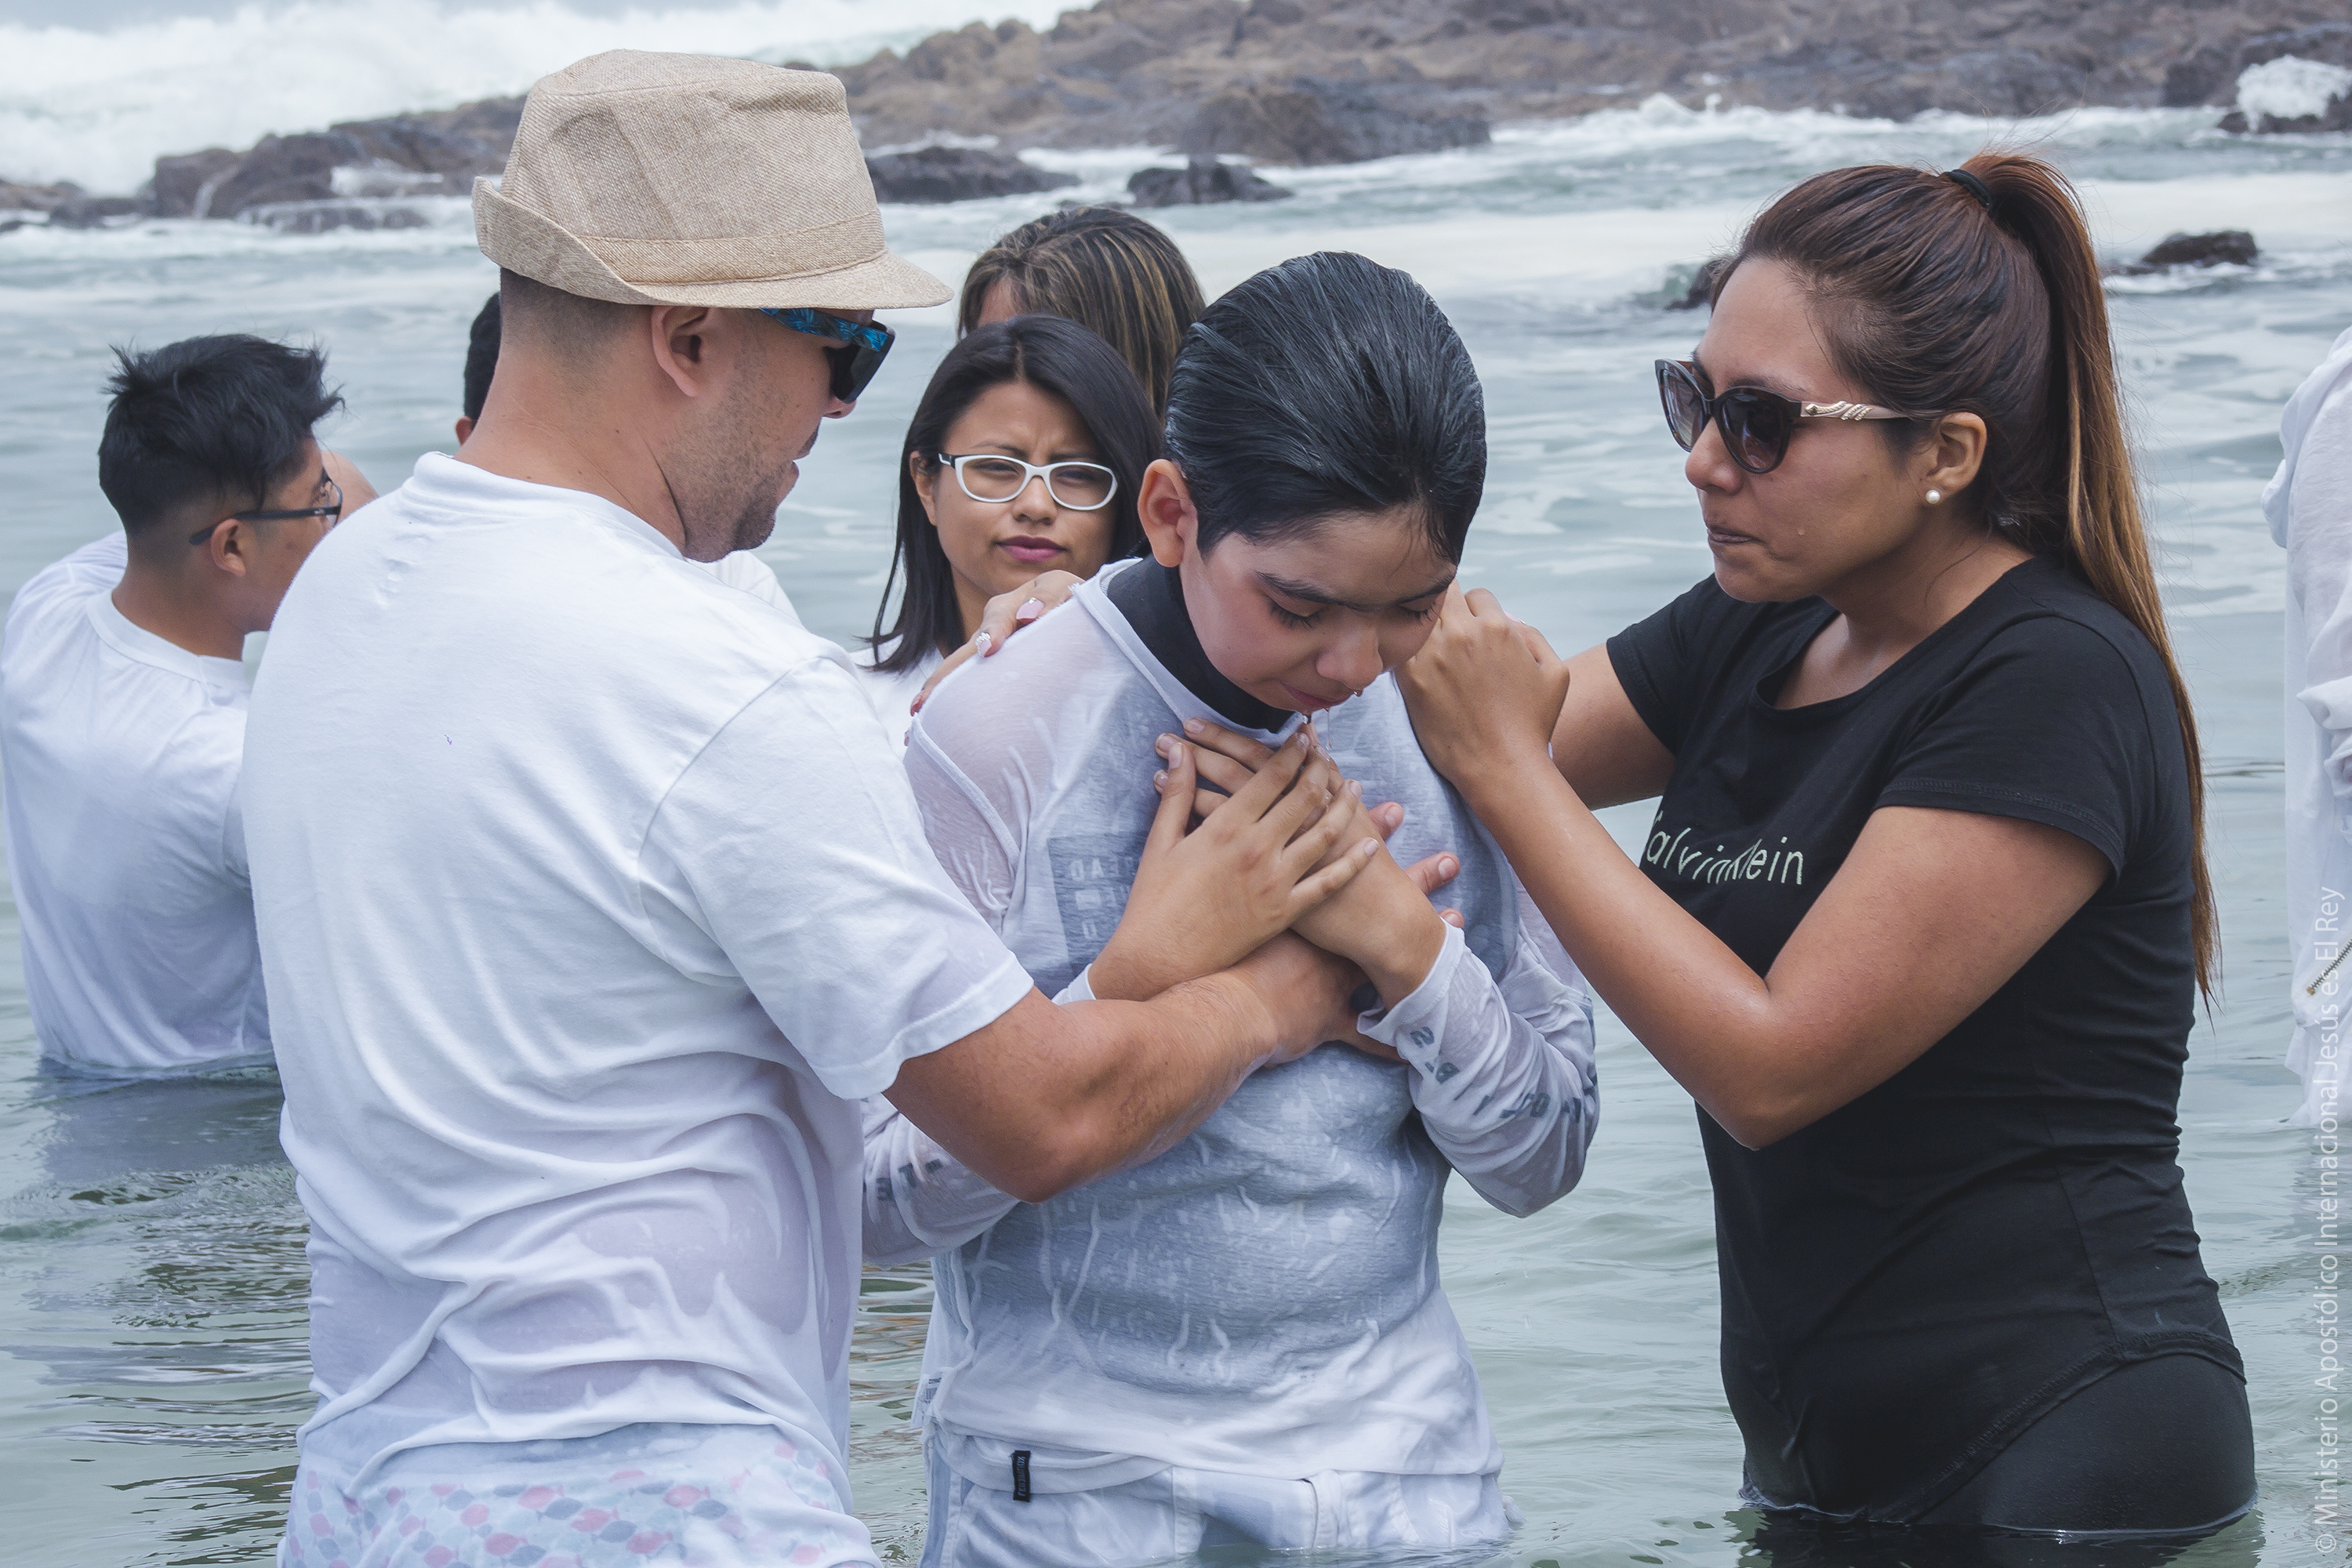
1048,1097
1206,1035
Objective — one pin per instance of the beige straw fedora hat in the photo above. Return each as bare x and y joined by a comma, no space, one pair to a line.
653,179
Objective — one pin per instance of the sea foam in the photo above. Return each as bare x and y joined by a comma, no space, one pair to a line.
2291,88
98,107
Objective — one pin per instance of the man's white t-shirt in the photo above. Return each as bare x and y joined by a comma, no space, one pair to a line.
120,753
894,690
591,897
754,577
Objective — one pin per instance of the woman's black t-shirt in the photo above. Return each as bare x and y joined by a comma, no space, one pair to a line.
1911,1281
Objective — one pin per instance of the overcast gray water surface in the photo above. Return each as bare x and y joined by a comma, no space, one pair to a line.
152,1363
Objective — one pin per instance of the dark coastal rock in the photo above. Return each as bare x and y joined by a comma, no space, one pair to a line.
1198,183
2223,247
184,183
1315,81
2339,117
1319,122
95,212
1701,285
436,154
299,168
2208,74
956,174
19,199
404,156
472,139
1206,75
325,216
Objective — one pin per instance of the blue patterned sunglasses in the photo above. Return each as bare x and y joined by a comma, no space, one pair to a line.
864,346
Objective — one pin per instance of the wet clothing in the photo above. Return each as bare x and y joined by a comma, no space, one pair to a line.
121,754
1263,1299
1174,1511
126,847
592,900
893,690
1913,1279
2087,1467
2308,504
719,1496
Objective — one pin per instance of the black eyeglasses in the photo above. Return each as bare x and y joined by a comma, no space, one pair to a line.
331,513
1757,424
864,346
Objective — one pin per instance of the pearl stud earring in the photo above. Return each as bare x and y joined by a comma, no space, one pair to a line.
1935,497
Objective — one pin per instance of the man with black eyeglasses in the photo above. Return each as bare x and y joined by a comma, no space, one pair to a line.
122,707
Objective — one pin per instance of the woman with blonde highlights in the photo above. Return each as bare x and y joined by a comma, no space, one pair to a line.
1109,270
1924,914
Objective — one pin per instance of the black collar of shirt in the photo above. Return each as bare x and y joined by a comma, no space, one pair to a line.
1151,597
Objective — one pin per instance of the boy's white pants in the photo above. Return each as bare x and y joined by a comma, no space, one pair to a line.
1175,1511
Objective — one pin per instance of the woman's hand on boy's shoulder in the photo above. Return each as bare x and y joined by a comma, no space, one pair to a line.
1006,614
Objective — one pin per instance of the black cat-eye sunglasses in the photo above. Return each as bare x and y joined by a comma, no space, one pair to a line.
1757,423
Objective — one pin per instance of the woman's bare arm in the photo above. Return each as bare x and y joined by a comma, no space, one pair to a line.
1602,747
1931,913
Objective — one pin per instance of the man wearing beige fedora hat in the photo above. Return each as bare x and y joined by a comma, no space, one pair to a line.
591,897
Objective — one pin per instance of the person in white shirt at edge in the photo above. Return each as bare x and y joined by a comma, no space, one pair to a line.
592,897
122,702
2309,506
737,568
1243,1341
977,518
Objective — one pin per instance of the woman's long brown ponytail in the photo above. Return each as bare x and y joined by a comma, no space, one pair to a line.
1951,303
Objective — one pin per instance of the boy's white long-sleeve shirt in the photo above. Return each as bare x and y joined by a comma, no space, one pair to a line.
1490,1061
1265,1293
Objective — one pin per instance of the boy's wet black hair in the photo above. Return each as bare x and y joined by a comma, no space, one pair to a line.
1327,386
219,418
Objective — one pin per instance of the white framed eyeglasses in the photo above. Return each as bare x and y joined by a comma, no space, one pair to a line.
994,478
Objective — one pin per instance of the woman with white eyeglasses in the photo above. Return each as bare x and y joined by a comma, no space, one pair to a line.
1003,480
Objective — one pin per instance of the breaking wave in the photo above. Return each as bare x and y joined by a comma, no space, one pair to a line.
97,106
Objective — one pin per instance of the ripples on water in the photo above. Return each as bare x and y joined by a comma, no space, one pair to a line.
151,1361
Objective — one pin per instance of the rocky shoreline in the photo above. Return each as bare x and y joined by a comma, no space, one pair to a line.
1310,81
1293,82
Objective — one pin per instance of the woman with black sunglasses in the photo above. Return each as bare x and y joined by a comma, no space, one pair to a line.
1924,912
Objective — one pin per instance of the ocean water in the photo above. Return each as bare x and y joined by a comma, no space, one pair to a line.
152,1338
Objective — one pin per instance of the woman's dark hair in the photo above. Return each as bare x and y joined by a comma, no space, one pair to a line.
208,419
1981,294
1325,386
1054,356
1107,270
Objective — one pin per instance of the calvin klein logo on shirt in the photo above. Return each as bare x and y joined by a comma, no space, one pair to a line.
1702,863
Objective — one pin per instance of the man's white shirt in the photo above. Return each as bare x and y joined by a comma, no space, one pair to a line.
894,690
592,896
120,753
